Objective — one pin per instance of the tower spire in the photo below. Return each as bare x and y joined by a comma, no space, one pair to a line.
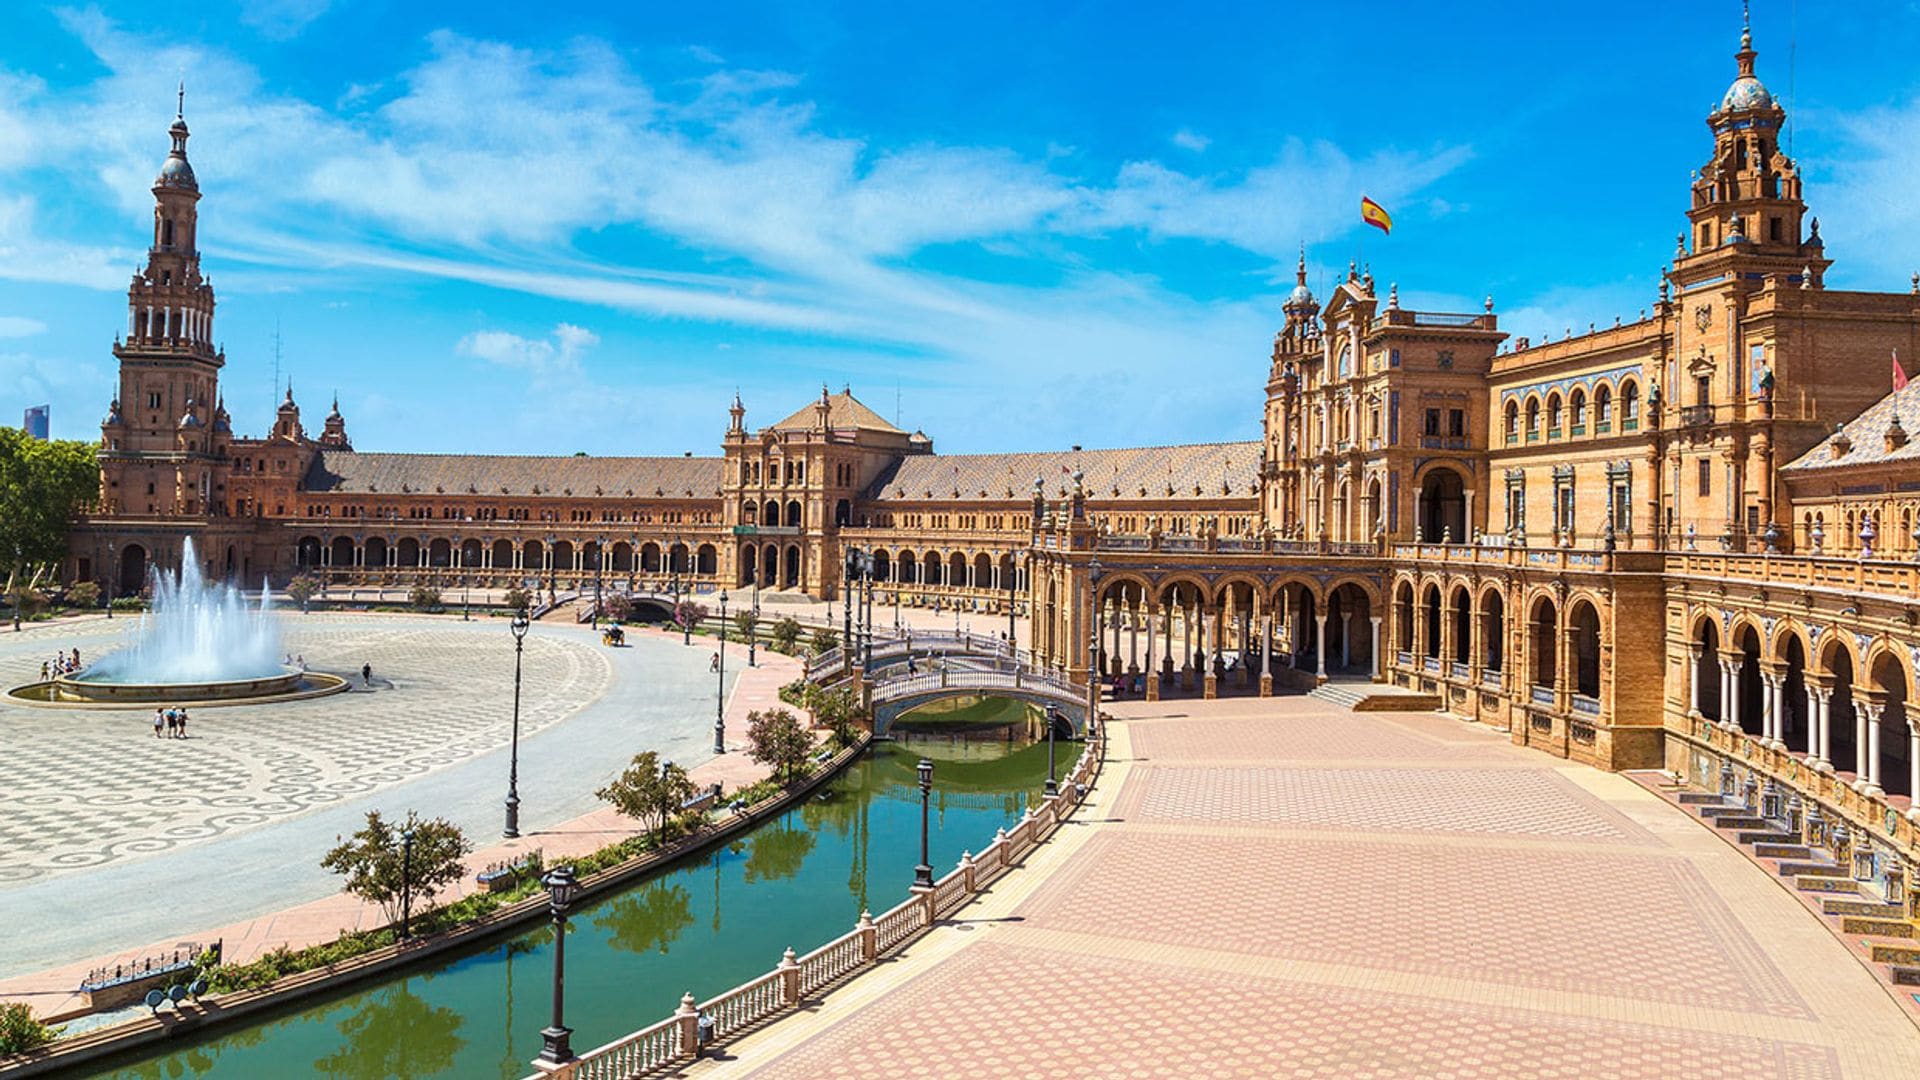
1746,54
180,102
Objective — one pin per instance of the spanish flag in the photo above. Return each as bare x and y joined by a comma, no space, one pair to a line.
1376,215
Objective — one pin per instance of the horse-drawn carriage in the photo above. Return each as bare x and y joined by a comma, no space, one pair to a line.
613,635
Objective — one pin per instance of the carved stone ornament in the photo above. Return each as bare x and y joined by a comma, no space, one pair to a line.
1703,316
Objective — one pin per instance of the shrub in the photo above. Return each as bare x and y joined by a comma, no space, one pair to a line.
84,594
649,791
424,598
824,639
518,599
129,603
616,606
20,1031
786,634
302,589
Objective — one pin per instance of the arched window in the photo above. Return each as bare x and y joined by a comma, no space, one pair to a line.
1553,414
1577,404
1629,405
1603,405
1346,360
1513,420
1533,418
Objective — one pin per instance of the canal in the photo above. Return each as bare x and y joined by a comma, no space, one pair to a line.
799,880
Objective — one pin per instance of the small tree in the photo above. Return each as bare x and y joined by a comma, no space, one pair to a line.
745,623
786,634
689,614
376,865
616,606
424,598
839,711
778,739
302,589
518,599
649,791
824,639
20,1030
84,594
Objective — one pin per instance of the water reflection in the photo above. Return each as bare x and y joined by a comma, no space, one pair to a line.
647,919
398,1036
777,851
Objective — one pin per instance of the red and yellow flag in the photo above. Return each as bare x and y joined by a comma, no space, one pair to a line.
1376,215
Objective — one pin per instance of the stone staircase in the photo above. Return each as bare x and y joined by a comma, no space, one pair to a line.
1373,697
1813,871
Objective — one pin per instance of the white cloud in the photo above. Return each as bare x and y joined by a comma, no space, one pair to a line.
1867,213
1188,139
279,20
27,255
18,326
557,355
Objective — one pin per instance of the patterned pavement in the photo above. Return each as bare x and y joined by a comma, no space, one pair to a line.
1280,889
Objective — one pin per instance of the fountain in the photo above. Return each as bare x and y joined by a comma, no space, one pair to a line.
201,642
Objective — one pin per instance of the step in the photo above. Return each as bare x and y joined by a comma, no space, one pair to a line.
1769,836
1811,866
1872,909
1894,953
1861,924
1748,823
1728,811
1701,798
1825,883
1771,850
1905,974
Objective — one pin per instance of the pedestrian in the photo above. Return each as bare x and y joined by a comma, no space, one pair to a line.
301,660
714,664
366,674
173,723
43,671
183,723
76,659
159,720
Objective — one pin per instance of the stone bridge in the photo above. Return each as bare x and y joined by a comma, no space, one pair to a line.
832,666
898,694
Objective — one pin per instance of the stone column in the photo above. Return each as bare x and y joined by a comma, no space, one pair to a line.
1266,657
1153,670
1867,716
1209,638
1769,692
1731,698
1133,638
1693,679
1826,729
1320,651
1346,637
1374,653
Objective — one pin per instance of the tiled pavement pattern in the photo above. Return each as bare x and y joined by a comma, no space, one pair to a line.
88,789
1248,896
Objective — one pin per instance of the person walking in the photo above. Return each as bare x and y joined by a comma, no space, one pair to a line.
183,723
366,675
173,723
159,720
43,671
714,664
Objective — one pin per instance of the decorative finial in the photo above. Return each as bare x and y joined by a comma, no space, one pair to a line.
1489,304
1746,24
1806,277
1916,284
1393,296
180,102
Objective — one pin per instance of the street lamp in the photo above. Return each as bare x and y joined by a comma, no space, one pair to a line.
923,874
1053,786
406,883
519,627
720,697
1093,642
1013,593
555,1040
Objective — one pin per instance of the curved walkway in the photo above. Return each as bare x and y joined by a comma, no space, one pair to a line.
1280,889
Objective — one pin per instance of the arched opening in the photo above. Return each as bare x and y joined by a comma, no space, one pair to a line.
750,513
1513,420
1706,671
622,558
770,567
1841,713
408,550
1889,681
1493,632
909,571
1543,638
439,552
650,557
502,554
982,572
1793,656
793,580
931,566
882,566
1443,507
677,561
1629,405
307,553
1533,419
1602,407
377,552
1349,631
793,513
470,554
1462,624
1585,625
1431,646
770,515
133,569
342,552
1577,410
843,512
563,557
706,560
956,570
1403,617
1753,702
749,565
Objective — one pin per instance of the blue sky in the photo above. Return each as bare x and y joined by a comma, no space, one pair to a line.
512,227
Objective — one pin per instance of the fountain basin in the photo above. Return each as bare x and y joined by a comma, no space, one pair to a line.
288,685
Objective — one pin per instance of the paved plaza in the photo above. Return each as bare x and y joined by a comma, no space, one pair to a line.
1282,889
151,837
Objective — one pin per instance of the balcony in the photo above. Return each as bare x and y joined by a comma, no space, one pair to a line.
1696,416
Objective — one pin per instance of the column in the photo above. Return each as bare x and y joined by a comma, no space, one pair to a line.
1693,679
1346,636
1266,656
1778,706
1320,653
1872,771
1374,653
1826,730
1860,727
1153,670
1209,638
1813,723
1767,695
1732,697
1133,637
1913,766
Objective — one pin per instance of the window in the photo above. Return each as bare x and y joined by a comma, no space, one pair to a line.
1433,421
1629,406
1703,390
1553,415
1533,418
153,399
1773,230
1706,476
1457,423
1602,406
1513,420
1579,409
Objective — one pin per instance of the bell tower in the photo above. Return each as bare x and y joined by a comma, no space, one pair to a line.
155,454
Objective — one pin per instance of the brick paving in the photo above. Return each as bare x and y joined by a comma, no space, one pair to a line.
1249,895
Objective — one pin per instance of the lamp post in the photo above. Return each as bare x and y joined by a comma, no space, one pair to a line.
599,561
720,696
866,607
923,874
555,1046
1013,592
849,571
1093,642
1053,785
406,883
519,627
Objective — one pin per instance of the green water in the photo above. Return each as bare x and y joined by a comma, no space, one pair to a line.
797,880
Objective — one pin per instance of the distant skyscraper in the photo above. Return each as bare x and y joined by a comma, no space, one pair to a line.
36,421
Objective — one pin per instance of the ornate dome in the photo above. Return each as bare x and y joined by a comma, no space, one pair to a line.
175,172
1746,92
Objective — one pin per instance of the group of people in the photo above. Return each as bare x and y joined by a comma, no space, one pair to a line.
174,721
61,664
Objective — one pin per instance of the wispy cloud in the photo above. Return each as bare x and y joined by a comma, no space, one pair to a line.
558,354
1188,139
279,20
18,326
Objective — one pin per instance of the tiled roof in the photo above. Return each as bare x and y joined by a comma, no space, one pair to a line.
844,411
1867,435
1198,472
346,472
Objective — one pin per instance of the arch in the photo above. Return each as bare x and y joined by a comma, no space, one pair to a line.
1792,651
133,569
470,553
792,580
1603,404
982,571
408,551
1577,408
770,566
622,557
1493,629
1704,643
306,553
678,561
770,515
1442,506
793,514
439,552
650,557
931,567
377,552
1533,417
563,556
749,565
1349,629
1462,603
1430,602
1513,419
1629,402
1403,616
956,570
750,513
908,568
502,555
1554,416
843,512
1839,663
1543,635
341,551
1584,629
706,560
1889,672
1751,713
1892,683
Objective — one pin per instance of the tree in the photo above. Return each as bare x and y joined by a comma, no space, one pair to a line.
746,622
20,1030
424,598
786,634
649,791
518,599
43,485
778,739
376,864
824,639
302,589
840,712
84,594
689,614
616,606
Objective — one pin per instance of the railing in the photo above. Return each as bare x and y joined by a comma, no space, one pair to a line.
683,1035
